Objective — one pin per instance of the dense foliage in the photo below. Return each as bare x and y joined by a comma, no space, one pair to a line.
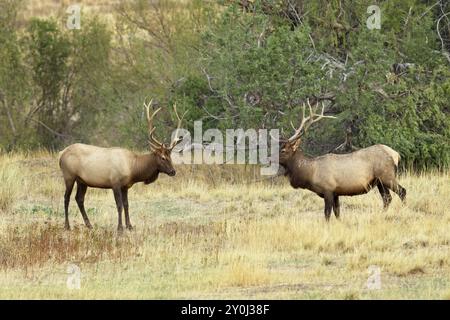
246,64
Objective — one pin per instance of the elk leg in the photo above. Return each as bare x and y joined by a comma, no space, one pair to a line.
385,195
329,199
398,189
81,192
119,204
392,184
125,206
336,206
68,193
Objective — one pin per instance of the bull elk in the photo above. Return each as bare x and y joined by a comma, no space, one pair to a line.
115,168
334,175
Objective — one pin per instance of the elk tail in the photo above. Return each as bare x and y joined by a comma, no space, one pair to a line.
60,154
393,154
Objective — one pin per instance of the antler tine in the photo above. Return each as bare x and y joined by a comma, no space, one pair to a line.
176,139
151,129
323,109
308,121
310,108
292,126
316,117
298,131
151,141
321,115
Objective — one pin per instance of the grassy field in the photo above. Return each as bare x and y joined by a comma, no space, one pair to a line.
211,232
45,8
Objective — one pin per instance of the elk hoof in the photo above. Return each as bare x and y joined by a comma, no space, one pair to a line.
67,227
130,227
120,229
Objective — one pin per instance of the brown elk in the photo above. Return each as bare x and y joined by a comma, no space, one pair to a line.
334,175
114,168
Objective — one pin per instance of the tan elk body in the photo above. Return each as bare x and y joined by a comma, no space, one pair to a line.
125,168
113,168
334,175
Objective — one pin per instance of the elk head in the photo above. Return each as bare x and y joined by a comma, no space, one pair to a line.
288,147
162,151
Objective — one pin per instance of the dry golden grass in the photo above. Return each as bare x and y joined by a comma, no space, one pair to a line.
210,232
58,8
9,186
45,8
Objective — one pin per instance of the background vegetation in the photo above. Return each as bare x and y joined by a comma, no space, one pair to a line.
234,63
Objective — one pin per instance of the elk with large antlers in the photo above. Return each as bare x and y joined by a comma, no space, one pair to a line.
115,168
334,175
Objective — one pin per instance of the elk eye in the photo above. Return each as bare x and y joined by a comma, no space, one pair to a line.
283,151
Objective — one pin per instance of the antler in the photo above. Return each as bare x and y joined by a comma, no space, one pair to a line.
154,143
307,121
177,139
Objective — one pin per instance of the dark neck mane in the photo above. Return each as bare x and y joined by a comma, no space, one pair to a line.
297,169
145,168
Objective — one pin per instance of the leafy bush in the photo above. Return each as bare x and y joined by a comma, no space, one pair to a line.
259,67
232,63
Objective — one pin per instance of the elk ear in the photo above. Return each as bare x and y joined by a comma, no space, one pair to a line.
296,145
